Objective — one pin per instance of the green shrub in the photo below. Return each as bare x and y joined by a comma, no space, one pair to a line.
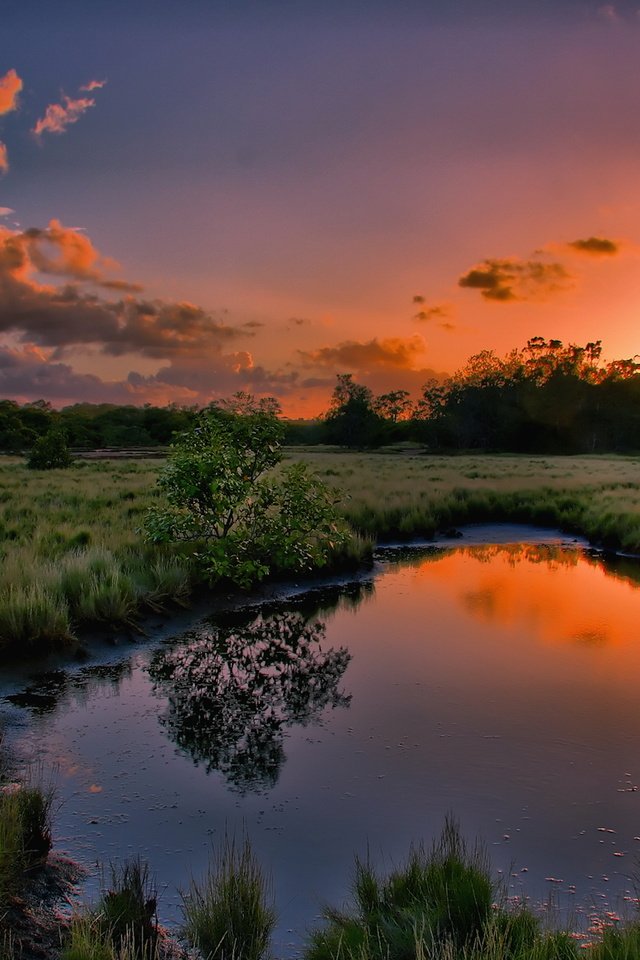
50,452
229,915
441,897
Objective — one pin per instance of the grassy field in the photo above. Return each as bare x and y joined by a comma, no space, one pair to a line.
410,494
73,554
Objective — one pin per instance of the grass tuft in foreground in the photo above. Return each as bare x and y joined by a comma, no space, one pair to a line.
443,896
229,915
124,925
25,837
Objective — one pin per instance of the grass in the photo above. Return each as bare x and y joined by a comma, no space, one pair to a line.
229,914
124,924
441,905
25,838
72,554
400,495
443,896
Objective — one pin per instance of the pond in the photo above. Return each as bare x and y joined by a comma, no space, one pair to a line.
498,682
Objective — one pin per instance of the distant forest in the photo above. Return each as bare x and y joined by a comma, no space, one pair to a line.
545,398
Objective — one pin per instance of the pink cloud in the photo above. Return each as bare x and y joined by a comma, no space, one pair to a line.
58,116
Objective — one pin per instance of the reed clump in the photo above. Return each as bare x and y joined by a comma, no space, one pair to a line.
229,914
123,925
25,837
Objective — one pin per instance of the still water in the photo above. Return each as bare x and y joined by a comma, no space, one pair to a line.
497,682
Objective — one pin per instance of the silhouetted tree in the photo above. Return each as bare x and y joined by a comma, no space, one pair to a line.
352,420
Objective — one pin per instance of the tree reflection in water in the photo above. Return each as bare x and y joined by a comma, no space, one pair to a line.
231,692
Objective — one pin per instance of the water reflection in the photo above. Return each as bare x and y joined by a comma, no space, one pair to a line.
231,693
50,689
560,595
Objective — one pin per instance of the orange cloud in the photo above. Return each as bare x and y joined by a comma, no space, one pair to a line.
595,246
58,116
10,87
511,278
394,352
4,158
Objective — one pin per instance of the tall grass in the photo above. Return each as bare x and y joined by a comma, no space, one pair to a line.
25,836
229,914
443,896
124,924
72,553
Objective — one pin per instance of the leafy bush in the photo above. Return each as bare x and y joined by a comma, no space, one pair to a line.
244,519
229,914
50,452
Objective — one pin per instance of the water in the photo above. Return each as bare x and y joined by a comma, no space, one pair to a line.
499,683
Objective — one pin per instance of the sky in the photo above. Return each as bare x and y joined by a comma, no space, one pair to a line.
225,195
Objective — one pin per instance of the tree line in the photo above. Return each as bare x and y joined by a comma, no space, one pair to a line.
545,398
88,426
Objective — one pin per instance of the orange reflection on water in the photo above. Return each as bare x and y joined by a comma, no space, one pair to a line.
509,585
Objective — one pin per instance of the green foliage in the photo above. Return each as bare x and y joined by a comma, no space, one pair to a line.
25,836
229,915
244,518
441,897
50,452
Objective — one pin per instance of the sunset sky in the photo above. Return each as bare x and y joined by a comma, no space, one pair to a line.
221,195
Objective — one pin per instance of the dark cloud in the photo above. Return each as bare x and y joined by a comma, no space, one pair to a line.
395,352
436,312
52,321
68,315
27,375
510,279
596,246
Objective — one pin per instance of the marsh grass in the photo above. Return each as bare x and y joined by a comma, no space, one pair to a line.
25,836
401,495
437,897
442,905
72,553
229,914
124,924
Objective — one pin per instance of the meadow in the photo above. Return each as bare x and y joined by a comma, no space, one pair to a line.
73,554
